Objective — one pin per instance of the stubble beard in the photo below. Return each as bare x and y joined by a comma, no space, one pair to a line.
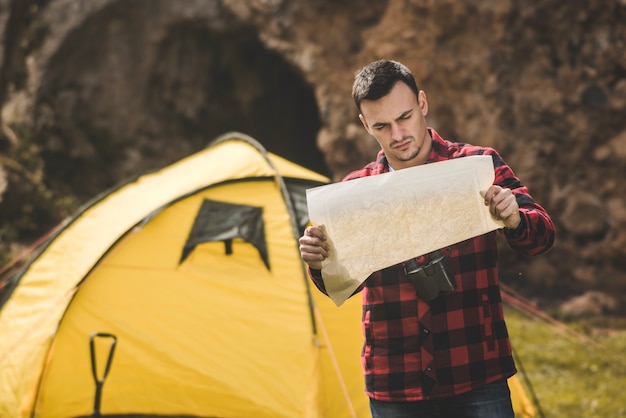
412,155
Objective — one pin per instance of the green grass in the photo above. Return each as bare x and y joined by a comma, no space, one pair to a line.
571,376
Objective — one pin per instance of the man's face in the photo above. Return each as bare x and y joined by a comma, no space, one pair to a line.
398,122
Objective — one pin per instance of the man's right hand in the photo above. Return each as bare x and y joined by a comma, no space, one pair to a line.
313,247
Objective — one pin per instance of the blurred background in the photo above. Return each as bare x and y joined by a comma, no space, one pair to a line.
95,92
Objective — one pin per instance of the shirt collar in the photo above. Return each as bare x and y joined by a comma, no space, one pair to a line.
439,150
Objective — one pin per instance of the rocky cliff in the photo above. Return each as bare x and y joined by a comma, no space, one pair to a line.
94,92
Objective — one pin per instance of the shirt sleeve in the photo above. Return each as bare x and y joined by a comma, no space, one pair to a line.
536,232
316,278
318,281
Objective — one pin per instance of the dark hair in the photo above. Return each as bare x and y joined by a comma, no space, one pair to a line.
376,79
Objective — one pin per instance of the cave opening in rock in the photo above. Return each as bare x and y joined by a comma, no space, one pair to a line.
207,83
116,101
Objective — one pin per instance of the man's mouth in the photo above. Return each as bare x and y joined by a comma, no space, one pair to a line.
402,146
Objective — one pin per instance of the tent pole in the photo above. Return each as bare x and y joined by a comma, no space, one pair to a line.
333,358
288,202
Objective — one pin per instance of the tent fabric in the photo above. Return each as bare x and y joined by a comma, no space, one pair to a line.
208,320
522,405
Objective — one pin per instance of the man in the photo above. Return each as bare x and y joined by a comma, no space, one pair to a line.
446,355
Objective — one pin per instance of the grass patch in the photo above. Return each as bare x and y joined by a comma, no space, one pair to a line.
570,375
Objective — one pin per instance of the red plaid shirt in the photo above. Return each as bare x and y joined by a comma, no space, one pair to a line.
417,350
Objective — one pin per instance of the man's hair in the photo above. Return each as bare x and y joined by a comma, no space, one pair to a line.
376,80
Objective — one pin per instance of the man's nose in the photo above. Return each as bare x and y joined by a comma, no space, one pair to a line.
397,132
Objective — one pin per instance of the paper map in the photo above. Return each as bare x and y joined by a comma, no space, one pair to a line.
375,222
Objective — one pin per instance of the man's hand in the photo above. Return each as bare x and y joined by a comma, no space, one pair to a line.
313,247
503,205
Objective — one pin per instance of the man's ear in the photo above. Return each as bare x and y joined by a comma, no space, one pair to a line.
364,122
423,102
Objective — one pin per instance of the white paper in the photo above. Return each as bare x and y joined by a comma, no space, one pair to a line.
375,222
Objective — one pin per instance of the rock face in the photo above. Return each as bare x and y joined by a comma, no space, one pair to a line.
94,92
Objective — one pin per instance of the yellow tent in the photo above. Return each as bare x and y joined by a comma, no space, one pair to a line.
182,293
200,315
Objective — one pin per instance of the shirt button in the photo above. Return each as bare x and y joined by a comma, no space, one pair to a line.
425,331
428,369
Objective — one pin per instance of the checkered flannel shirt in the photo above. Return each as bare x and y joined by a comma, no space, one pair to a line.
416,350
